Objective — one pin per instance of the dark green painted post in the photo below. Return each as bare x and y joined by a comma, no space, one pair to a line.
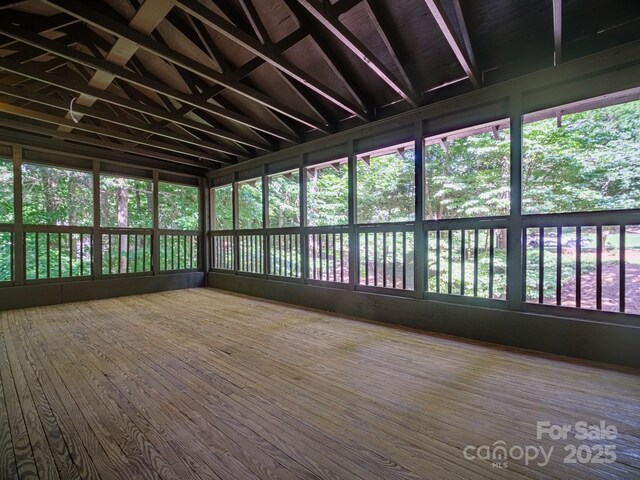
304,256
97,236
515,274
155,242
19,263
418,235
352,214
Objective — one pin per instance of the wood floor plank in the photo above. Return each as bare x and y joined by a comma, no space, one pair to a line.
201,384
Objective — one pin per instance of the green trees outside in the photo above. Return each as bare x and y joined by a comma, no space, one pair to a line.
587,161
178,206
386,187
6,216
327,195
284,200
126,202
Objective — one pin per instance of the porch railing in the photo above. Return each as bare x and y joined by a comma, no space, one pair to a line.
57,252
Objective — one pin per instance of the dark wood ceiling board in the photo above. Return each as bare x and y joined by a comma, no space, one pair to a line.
273,85
379,16
102,131
250,43
35,7
67,83
331,22
106,23
143,82
504,32
100,112
315,46
557,31
29,126
586,18
145,20
358,21
449,26
276,18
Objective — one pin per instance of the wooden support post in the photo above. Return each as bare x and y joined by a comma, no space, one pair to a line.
352,215
304,244
515,269
418,233
204,246
236,225
18,232
265,219
155,242
97,235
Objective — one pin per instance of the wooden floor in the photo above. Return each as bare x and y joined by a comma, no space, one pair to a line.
201,384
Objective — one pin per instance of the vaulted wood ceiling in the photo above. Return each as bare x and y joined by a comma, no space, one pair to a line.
206,84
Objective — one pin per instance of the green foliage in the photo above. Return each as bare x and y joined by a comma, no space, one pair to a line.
250,204
386,188
6,191
590,163
56,196
284,200
470,178
222,204
178,206
327,196
126,202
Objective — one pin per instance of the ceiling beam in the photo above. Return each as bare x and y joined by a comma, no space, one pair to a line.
464,31
380,18
107,132
140,81
557,31
74,137
62,81
330,55
222,26
263,36
330,21
102,114
121,31
145,20
440,16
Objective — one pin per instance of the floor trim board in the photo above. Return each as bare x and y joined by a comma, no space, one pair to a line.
54,293
589,340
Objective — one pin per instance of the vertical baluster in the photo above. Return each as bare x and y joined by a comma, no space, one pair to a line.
333,239
191,242
110,256
541,265
404,260
384,259
71,254
59,255
135,252
326,254
492,251
342,257
82,254
393,262
450,261
438,261
320,256
623,268
476,238
366,256
558,265
37,255
462,260
314,245
184,251
144,253
177,240
48,245
375,259
599,267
